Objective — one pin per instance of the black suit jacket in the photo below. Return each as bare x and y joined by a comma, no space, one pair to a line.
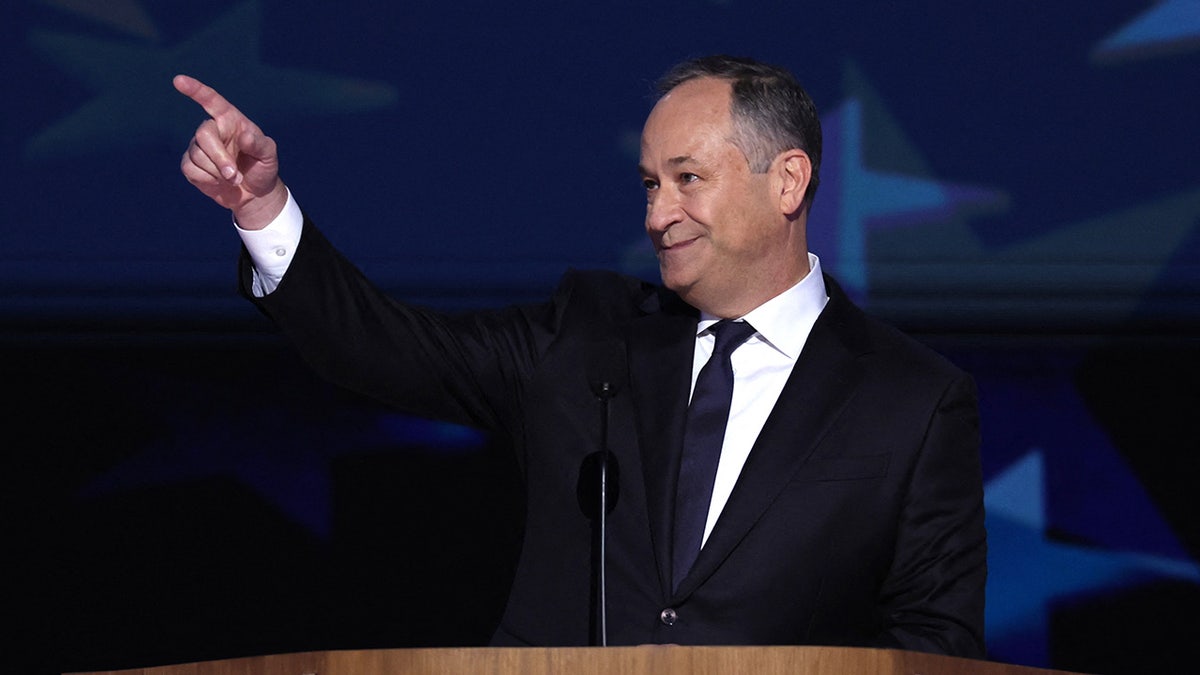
857,519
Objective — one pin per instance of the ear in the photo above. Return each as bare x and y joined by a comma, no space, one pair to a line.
795,172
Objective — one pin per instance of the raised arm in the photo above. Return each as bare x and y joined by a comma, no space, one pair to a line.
231,160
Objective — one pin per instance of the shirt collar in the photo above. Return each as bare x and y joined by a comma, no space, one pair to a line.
785,320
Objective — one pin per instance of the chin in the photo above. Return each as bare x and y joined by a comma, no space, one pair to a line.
669,280
681,287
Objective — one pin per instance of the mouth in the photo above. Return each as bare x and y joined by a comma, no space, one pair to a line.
664,247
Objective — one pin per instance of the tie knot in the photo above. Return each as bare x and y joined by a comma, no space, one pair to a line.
730,335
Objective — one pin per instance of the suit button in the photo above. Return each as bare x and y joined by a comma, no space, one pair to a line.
668,616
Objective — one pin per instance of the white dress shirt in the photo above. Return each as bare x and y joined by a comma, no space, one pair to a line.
272,247
761,365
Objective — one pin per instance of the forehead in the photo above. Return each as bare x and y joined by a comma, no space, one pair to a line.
708,95
694,113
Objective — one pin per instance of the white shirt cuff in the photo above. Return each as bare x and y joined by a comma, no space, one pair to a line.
271,248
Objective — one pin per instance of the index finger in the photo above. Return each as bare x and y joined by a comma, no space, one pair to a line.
213,103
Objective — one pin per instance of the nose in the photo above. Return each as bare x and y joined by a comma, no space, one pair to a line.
663,210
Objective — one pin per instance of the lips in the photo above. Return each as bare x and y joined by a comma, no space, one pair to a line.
676,243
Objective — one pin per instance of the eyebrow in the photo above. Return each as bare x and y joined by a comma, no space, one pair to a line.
674,162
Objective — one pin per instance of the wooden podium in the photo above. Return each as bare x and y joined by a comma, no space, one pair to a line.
653,659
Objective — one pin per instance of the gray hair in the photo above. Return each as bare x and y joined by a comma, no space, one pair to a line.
771,112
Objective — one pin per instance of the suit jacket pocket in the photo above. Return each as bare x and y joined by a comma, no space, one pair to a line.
843,468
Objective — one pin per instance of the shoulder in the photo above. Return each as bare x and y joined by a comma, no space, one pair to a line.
597,296
606,285
880,346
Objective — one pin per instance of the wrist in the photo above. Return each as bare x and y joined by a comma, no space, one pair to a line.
258,212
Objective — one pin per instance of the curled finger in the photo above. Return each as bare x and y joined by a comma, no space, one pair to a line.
210,142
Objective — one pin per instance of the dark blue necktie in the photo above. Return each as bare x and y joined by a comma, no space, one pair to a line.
703,435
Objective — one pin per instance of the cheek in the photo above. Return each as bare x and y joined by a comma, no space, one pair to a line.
706,212
742,234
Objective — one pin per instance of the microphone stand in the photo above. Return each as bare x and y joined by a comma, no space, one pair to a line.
606,394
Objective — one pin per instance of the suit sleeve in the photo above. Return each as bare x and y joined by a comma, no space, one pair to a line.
467,369
933,597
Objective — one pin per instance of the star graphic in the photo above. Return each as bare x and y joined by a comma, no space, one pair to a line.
1170,27
1027,572
858,200
1096,496
860,195
133,89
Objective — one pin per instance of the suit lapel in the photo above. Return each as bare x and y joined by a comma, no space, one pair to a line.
660,372
819,387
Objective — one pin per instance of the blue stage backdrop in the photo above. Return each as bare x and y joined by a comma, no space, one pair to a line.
1014,182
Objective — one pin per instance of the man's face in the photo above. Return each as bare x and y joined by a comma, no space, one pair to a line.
720,238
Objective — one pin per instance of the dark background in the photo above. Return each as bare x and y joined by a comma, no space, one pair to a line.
1014,183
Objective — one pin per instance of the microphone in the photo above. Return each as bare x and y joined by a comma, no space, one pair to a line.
607,374
599,485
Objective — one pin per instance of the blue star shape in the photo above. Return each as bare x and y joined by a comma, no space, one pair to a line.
1169,27
133,89
1028,572
857,198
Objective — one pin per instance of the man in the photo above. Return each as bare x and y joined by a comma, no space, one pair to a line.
823,487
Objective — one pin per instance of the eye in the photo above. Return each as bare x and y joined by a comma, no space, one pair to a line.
688,178
649,183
